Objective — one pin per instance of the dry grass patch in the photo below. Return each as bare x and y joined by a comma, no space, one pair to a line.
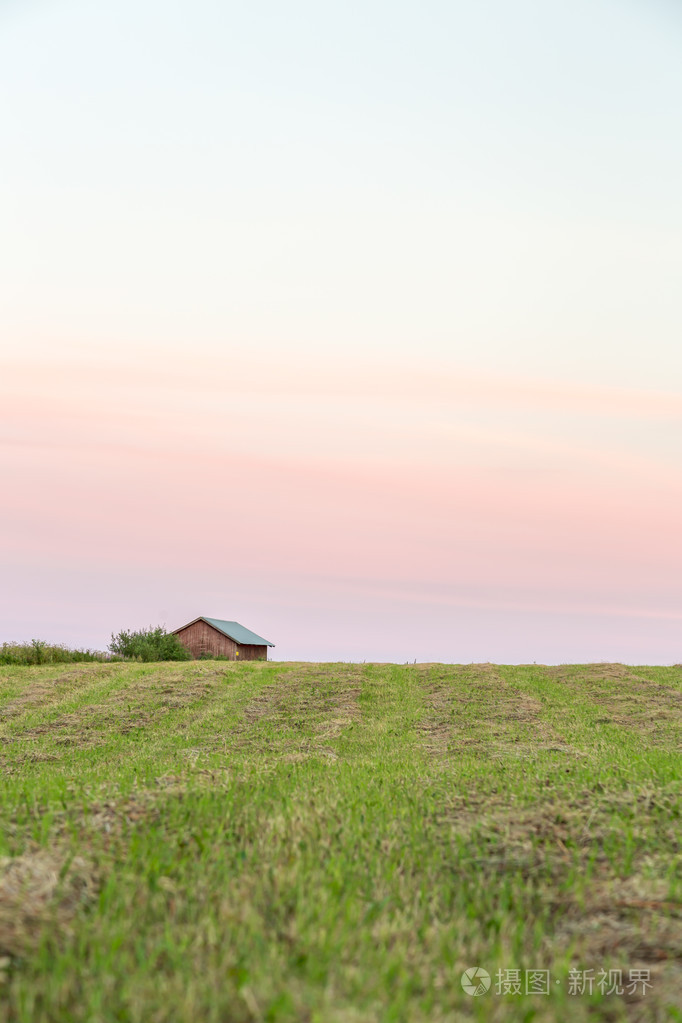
300,711
627,923
141,704
50,686
41,889
628,699
475,709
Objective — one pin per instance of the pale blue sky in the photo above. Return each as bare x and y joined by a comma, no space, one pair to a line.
496,185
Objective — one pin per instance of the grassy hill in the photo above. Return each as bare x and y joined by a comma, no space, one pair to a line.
337,843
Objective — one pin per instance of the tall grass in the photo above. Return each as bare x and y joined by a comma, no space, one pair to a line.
152,644
39,652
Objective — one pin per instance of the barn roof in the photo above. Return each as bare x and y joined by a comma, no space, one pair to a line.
233,630
237,632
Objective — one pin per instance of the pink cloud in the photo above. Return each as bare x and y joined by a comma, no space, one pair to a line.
293,495
212,373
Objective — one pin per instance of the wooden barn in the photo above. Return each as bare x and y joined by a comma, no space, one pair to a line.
222,639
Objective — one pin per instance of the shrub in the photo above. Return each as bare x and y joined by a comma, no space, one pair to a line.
152,644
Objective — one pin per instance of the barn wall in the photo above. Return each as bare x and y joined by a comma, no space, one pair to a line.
251,652
202,638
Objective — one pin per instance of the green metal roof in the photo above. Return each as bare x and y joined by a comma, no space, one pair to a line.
237,632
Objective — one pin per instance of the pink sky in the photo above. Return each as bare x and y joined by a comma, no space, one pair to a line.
356,323
343,511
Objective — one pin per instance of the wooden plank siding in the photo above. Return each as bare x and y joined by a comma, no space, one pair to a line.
202,638
252,652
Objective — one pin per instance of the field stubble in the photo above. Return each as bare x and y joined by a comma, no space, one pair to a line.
336,843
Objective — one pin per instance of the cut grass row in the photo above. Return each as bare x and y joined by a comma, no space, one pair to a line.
336,843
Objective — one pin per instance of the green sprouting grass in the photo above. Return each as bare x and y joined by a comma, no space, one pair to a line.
337,843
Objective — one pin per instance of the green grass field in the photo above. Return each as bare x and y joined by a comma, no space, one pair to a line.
337,843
